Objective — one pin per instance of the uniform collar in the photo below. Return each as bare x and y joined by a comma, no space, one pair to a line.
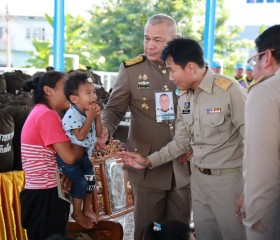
207,82
156,65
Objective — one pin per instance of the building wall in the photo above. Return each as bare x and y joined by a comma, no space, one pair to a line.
23,30
253,12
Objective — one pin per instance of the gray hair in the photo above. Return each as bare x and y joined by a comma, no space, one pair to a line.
163,18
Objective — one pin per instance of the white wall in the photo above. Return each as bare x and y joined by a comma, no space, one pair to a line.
253,14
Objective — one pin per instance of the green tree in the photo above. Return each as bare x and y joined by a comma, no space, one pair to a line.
74,44
117,27
40,58
114,32
227,48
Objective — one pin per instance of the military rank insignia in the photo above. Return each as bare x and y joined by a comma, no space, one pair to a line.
213,110
144,105
143,83
134,61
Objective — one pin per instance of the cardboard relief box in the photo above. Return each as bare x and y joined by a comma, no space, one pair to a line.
113,194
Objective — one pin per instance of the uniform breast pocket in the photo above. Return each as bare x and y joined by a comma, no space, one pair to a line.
188,120
215,128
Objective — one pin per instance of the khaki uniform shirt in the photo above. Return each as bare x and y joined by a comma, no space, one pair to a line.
135,88
211,121
262,155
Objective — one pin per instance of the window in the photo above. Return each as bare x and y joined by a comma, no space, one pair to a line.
39,33
28,33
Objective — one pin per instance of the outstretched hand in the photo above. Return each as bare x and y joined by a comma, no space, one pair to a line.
101,141
133,159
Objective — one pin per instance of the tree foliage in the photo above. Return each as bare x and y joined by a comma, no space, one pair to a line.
114,32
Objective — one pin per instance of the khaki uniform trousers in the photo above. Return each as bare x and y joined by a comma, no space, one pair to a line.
253,235
155,205
213,201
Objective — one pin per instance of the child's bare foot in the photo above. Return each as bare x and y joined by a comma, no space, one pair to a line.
91,215
82,220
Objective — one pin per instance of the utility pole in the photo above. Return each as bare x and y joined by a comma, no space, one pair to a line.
59,41
209,30
8,38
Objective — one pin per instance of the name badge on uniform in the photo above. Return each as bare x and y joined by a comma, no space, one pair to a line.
187,106
213,110
164,106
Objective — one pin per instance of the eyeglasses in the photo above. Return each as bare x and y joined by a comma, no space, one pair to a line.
253,60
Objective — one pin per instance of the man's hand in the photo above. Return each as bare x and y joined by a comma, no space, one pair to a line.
133,159
239,208
259,227
185,158
100,144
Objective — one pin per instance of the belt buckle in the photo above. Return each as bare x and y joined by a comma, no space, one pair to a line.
205,171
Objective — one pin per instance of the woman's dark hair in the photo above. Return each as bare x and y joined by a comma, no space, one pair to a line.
37,84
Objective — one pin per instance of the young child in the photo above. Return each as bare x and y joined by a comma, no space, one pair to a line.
169,230
82,124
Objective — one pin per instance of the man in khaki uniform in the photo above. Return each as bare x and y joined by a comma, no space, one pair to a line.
210,118
262,141
163,193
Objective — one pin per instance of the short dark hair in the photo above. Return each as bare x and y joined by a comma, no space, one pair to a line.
75,79
37,84
270,39
183,51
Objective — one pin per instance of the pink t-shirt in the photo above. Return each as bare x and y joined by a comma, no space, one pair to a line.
42,128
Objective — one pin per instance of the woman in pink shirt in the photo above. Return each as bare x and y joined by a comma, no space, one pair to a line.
43,213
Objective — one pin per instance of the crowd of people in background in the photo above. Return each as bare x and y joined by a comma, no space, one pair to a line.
244,79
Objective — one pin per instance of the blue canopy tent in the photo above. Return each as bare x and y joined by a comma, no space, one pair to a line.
59,23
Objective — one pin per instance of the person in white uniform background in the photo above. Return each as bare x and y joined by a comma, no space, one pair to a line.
262,141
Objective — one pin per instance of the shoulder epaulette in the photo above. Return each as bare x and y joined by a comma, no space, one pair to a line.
133,61
223,83
261,79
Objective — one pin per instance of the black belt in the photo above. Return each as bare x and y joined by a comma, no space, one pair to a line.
218,172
